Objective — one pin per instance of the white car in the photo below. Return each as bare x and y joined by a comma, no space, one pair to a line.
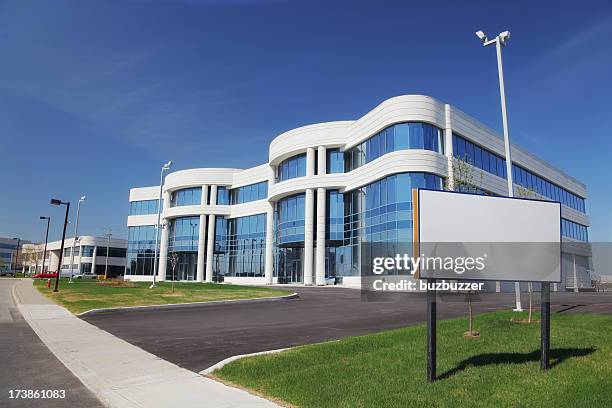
85,276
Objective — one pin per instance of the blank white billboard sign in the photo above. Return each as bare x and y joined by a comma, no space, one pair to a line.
514,239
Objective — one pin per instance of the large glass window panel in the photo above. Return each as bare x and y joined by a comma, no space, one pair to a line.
461,151
469,147
293,167
188,196
401,137
416,136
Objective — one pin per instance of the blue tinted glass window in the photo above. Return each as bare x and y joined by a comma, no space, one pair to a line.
187,196
222,196
290,219
461,148
251,192
335,161
402,136
291,168
496,164
143,207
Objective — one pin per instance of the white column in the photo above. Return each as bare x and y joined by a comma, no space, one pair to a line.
53,261
210,248
448,145
308,237
201,248
211,237
271,176
80,260
322,163
320,280
202,238
163,243
269,266
310,161
93,260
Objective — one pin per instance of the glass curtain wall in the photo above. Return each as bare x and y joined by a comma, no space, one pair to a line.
401,136
246,246
379,213
290,214
495,164
183,236
141,250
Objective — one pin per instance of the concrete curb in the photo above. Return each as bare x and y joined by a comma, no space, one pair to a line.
231,359
169,306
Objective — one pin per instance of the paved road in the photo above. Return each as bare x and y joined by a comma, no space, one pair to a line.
26,363
198,337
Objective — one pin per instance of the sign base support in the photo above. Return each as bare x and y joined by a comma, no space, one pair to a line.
545,326
431,331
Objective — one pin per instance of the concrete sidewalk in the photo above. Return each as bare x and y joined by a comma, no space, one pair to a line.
118,373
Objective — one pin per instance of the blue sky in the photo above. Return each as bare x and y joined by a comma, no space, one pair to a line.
95,95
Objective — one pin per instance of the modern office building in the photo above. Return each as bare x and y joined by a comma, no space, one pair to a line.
9,256
327,187
89,256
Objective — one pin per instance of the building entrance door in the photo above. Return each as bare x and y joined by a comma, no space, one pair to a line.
290,268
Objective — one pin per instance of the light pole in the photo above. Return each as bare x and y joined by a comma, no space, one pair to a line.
108,236
16,256
500,41
55,201
76,237
164,168
42,268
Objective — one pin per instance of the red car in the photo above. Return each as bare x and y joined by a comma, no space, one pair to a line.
45,275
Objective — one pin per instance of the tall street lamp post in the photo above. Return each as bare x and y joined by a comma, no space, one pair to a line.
501,41
57,202
76,237
164,168
108,236
42,268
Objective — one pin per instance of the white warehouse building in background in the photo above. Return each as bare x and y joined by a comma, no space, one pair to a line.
328,187
89,256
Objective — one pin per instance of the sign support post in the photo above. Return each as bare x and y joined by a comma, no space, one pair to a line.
431,332
545,326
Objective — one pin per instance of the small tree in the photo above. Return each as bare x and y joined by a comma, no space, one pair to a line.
174,258
525,192
464,179
27,257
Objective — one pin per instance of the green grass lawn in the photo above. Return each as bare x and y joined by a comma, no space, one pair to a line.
388,369
84,295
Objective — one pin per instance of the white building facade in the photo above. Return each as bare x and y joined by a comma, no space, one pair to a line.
90,256
326,188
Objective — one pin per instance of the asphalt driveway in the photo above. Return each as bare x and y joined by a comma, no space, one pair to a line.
198,337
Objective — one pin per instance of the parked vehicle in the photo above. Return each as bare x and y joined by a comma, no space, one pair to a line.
7,273
85,276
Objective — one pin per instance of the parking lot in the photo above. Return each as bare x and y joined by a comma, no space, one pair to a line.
198,337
